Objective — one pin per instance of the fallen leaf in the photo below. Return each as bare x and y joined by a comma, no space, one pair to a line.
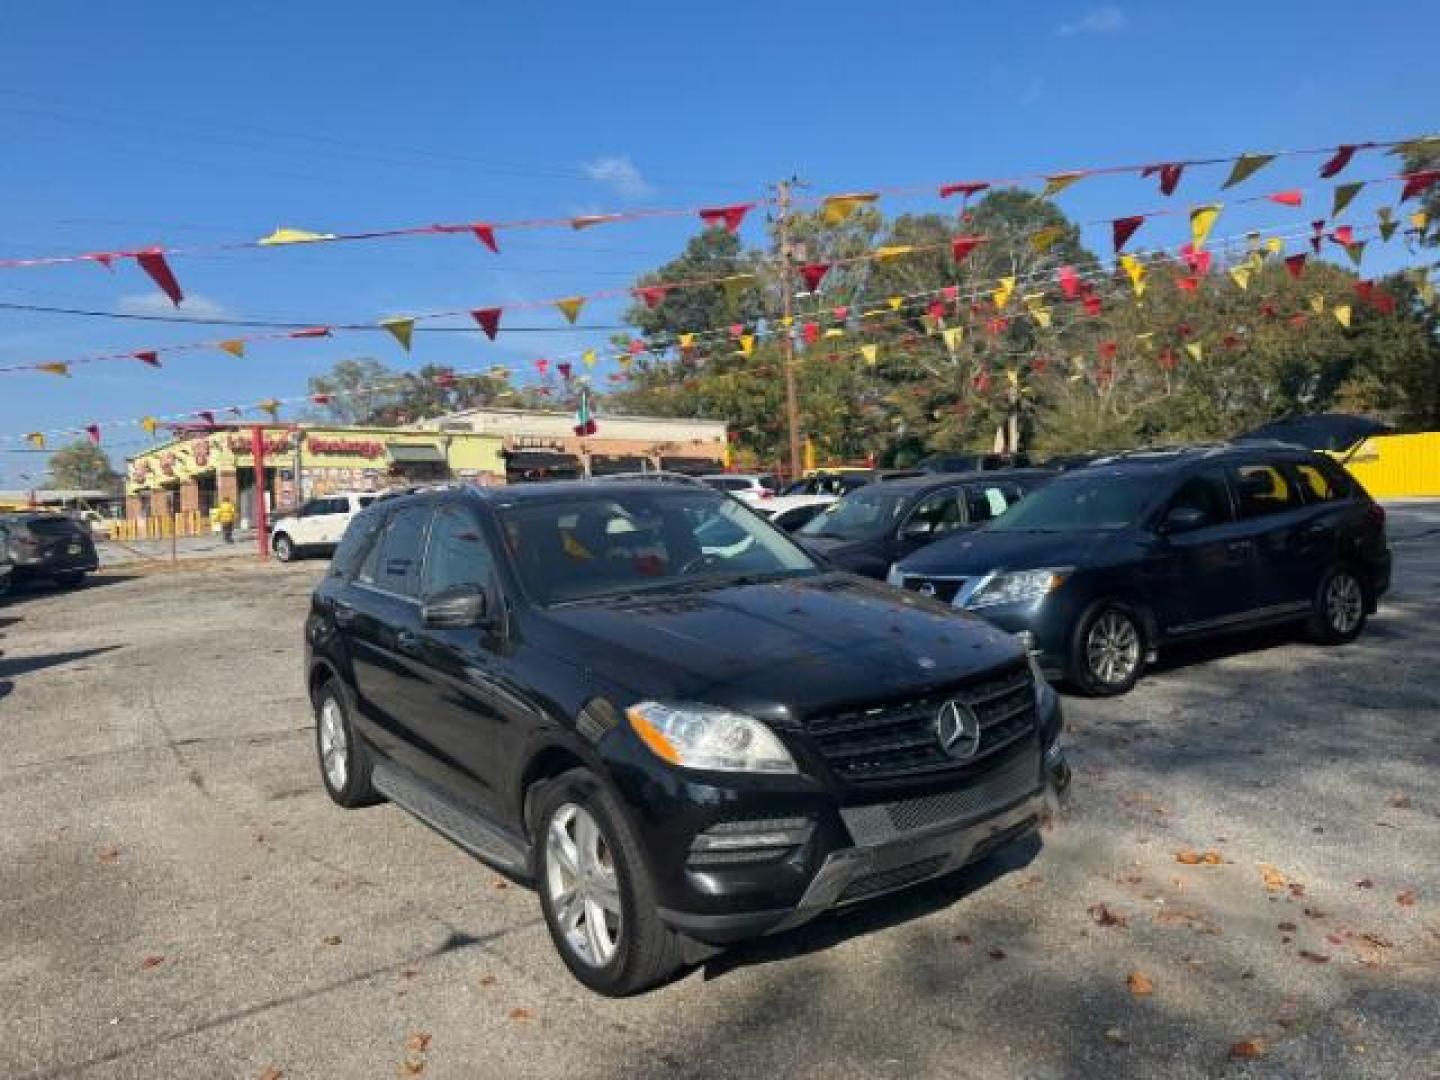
1250,1048
1103,916
1296,889
270,1072
1029,882
151,962
1400,801
487,980
109,856
1139,984
1314,957
964,939
1288,927
409,972
1406,898
499,884
419,1042
1274,879
996,954
1364,883
1380,941
521,1014
414,1066
1314,913
1188,857
333,939
1116,1035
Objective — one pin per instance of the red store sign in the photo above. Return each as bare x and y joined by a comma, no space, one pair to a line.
366,448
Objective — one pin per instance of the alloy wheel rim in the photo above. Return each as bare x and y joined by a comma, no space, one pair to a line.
1342,603
582,885
1112,648
333,744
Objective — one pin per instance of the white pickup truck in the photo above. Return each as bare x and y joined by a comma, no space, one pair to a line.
317,525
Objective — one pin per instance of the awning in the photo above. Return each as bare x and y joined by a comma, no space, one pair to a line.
691,466
608,464
415,454
540,465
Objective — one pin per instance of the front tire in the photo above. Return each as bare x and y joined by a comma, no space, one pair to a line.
283,547
1107,652
343,757
1339,608
596,892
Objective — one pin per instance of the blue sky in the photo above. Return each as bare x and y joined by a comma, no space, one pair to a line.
190,123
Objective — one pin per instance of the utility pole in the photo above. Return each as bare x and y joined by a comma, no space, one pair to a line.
787,342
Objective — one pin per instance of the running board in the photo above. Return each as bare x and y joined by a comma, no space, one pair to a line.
456,823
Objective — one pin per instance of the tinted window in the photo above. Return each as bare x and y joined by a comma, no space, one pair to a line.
1206,492
937,513
355,544
1091,500
872,511
988,501
1322,483
457,555
400,549
1264,489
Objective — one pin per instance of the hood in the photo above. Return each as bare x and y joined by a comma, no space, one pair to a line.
983,550
791,646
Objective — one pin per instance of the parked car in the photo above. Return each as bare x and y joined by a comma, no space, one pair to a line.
752,489
972,462
317,525
652,476
797,510
7,565
1111,562
660,711
49,546
871,528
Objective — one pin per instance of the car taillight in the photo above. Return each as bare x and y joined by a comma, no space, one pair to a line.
1376,513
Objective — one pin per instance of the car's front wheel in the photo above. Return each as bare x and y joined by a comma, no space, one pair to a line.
1108,651
344,758
1338,613
595,890
283,547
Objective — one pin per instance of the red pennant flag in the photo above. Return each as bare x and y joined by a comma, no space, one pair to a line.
93,430
1231,341
814,273
1166,359
1297,320
153,263
982,381
1069,282
1295,264
1108,350
962,246
1092,304
1344,235
1268,310
1365,290
1383,302
1287,198
564,370
1187,282
104,258
1124,228
1039,364
320,399
1183,330
486,235
1198,261
1169,176
1417,183
726,217
489,320
810,332
967,189
148,356
652,295
998,325
637,346
543,366
1342,157
937,310
311,332
951,293
841,313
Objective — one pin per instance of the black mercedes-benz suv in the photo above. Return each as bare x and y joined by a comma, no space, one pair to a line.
1110,562
655,707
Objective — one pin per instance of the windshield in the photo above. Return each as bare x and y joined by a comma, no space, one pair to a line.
1096,501
611,544
861,515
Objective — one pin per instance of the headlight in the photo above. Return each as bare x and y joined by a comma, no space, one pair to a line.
707,737
1018,587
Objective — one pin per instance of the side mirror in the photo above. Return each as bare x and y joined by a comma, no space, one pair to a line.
1181,519
455,609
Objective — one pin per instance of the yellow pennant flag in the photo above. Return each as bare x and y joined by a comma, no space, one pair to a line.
588,356
1197,353
293,236
1002,292
747,344
54,367
896,302
1387,222
235,347
1241,276
403,329
1424,286
1044,239
871,353
36,439
1274,245
270,407
787,321
687,340
1146,339
1317,304
1202,219
893,251
834,332
1012,376
149,423
839,207
570,307
1246,166
1054,185
1135,271
1418,220
952,336
1342,314
1035,304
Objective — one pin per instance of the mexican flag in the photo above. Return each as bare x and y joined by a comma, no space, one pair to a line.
584,416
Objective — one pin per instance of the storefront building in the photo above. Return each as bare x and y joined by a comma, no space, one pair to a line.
543,445
192,473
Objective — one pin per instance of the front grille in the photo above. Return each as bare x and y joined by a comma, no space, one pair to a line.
897,740
886,880
942,589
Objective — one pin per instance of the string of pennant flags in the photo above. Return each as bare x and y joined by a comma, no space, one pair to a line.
1202,219
835,209
943,313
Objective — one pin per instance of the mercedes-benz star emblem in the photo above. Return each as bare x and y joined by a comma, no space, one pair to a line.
958,729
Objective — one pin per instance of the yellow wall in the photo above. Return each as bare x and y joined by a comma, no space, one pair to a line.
1397,466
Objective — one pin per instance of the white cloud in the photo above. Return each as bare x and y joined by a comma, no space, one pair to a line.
1105,19
156,303
620,175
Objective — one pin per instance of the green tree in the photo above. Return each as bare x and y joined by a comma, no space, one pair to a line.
82,465
366,392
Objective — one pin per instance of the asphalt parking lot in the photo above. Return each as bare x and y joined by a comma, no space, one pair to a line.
1246,881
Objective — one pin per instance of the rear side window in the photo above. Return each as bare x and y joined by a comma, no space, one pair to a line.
458,555
1323,482
1264,490
937,514
355,545
399,551
1206,492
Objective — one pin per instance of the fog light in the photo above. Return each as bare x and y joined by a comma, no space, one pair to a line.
736,842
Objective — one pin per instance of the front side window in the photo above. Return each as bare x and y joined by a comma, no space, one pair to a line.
458,556
355,545
400,551
937,513
1081,501
862,515
1264,490
610,544
1206,492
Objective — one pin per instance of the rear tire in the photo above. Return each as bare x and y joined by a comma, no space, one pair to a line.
283,547
1339,607
589,865
1107,651
343,757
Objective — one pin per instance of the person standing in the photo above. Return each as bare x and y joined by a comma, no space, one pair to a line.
225,514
